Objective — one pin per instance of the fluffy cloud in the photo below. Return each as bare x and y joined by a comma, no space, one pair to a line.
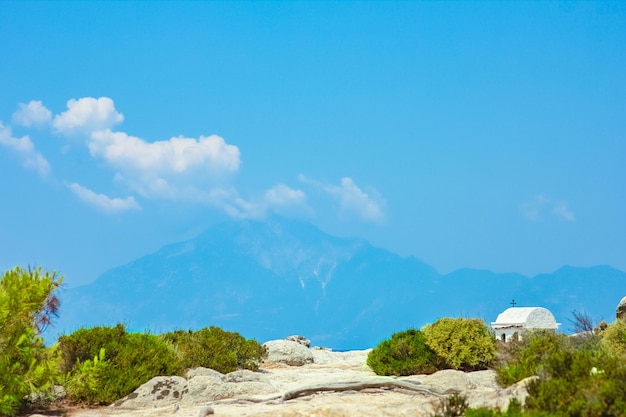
172,168
538,207
87,115
367,205
26,151
178,169
103,202
176,155
32,114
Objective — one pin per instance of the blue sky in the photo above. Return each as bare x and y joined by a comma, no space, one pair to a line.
474,134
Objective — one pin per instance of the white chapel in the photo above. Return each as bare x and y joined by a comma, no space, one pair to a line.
510,324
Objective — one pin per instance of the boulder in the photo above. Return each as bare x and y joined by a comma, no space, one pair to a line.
160,391
449,378
299,339
287,352
203,388
200,371
246,384
620,311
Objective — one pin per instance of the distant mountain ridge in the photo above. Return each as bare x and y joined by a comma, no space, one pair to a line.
279,277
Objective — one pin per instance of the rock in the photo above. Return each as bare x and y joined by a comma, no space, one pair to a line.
287,352
620,311
449,378
160,391
299,339
200,371
205,411
234,385
245,384
203,388
484,379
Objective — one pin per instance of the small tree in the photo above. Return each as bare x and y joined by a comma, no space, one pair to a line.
465,344
27,304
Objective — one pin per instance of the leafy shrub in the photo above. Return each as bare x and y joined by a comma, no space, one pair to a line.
614,339
575,379
406,353
131,360
580,383
519,360
27,304
88,378
465,344
216,349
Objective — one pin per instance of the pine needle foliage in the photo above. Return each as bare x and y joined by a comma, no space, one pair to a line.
28,302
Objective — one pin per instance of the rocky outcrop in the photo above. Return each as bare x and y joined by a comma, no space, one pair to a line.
287,352
299,339
160,391
325,383
202,385
620,311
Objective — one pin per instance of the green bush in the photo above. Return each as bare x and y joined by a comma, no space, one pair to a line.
406,353
580,383
103,364
614,339
27,304
465,344
519,360
574,378
216,349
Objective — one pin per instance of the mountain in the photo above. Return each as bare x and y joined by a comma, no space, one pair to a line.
271,279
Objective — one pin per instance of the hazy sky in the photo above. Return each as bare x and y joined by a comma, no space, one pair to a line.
474,134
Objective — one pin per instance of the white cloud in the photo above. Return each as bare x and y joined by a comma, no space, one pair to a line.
538,207
103,202
352,199
175,155
175,168
32,114
24,147
87,115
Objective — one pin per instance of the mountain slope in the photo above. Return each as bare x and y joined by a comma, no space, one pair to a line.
271,279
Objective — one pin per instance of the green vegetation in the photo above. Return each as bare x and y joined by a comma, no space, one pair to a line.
522,359
97,365
465,344
406,353
580,376
216,349
103,364
27,304
577,376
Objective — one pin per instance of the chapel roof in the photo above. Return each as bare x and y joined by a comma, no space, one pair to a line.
529,317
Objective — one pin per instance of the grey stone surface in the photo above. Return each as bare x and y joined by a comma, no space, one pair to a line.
160,391
287,352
